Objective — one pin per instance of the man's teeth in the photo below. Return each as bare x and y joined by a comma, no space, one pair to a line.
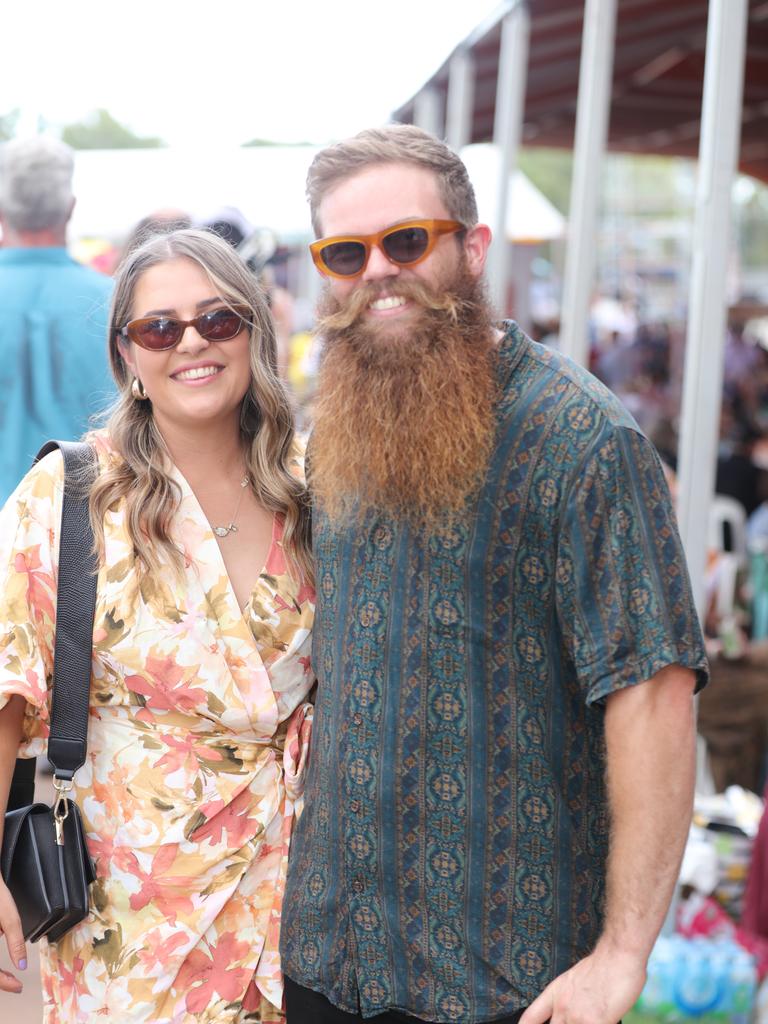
390,302
197,373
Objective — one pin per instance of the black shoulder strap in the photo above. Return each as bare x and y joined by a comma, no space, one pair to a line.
22,791
75,604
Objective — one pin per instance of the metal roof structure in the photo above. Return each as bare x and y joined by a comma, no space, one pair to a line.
658,74
668,77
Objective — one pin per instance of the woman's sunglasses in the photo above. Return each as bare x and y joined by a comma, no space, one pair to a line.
159,333
405,245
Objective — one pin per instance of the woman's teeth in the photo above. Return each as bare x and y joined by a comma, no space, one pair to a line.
197,373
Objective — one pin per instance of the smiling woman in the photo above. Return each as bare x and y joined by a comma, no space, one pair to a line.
195,372
199,720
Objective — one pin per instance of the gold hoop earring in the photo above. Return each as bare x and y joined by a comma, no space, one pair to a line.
137,390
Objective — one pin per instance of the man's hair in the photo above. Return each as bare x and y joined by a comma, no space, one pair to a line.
393,144
36,183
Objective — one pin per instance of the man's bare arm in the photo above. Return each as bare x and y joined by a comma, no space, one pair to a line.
650,732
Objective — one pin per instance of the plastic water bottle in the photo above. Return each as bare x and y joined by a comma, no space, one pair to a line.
691,979
743,987
701,981
657,998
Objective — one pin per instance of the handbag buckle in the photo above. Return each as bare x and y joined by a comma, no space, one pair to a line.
61,807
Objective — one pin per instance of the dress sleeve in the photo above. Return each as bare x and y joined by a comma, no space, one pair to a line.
29,533
624,601
296,751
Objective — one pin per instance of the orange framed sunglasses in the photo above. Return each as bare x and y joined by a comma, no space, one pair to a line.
405,245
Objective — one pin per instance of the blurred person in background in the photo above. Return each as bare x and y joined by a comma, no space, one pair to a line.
53,311
257,247
156,223
738,474
505,642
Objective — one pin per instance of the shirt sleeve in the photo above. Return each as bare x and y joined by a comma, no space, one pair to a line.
624,600
29,532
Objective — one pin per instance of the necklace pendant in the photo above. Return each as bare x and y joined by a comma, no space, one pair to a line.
224,531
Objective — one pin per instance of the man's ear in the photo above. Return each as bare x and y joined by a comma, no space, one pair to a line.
476,245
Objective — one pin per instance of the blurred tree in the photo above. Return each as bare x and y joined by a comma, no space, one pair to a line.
271,142
754,237
550,171
8,125
100,130
646,184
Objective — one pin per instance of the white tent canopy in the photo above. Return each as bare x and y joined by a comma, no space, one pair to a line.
531,217
116,188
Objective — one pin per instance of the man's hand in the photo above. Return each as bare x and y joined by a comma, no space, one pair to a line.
599,989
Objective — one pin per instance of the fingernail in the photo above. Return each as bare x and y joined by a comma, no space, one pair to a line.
22,965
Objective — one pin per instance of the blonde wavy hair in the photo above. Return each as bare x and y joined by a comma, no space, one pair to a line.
141,477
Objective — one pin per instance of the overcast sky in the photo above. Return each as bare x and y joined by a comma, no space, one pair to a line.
220,72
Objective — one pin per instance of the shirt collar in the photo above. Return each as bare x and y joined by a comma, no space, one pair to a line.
17,256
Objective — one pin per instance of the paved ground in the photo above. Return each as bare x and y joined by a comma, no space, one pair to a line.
26,1008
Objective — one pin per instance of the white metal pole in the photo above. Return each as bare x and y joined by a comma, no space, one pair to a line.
461,95
595,79
703,374
507,130
426,111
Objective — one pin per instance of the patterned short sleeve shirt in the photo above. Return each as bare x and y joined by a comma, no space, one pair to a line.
451,857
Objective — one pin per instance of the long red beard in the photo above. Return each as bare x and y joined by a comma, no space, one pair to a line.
404,420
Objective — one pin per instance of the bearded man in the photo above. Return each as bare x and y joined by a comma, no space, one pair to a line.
505,643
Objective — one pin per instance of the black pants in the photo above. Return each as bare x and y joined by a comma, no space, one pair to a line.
303,1006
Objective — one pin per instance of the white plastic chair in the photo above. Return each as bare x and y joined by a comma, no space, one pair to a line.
725,510
728,510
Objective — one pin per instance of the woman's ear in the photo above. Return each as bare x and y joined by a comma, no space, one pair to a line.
125,348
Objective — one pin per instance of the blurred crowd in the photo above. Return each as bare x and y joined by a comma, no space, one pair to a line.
641,360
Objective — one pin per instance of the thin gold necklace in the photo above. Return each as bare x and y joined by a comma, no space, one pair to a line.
224,531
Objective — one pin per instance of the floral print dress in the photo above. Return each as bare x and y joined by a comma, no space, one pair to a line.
197,742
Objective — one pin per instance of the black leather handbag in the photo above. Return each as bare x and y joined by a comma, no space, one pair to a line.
44,860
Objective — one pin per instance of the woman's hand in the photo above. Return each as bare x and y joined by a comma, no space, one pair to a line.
10,925
11,719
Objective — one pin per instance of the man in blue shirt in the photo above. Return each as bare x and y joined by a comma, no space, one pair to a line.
502,762
53,312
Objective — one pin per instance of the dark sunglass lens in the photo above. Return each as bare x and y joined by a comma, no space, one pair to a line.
344,258
221,325
157,334
406,244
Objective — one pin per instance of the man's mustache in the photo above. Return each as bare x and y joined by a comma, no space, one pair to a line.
337,315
